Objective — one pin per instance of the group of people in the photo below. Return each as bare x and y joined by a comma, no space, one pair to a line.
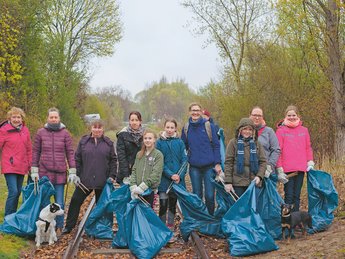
145,161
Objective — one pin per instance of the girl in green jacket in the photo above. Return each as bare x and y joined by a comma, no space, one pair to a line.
147,168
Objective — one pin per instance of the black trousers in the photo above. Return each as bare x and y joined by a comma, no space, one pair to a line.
77,200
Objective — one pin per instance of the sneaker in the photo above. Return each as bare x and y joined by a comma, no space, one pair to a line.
66,231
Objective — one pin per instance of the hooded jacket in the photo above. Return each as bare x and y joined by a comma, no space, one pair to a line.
174,152
201,152
295,148
230,168
50,152
16,149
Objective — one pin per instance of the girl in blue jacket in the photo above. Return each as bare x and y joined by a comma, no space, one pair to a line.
175,157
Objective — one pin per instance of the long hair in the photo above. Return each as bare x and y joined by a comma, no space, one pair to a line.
143,147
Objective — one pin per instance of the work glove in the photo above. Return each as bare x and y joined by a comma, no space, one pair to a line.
72,176
310,165
133,194
268,171
229,188
141,188
34,173
220,177
126,180
257,180
282,178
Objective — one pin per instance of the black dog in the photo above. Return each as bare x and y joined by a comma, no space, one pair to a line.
292,219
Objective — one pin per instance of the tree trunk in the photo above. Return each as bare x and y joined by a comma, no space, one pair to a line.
335,74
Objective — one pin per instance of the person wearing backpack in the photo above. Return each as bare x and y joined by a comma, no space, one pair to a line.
202,144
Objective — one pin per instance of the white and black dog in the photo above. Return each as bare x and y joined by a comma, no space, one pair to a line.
46,224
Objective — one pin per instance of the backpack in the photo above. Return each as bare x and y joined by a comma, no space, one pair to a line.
207,127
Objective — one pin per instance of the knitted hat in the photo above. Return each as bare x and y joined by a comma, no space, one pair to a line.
244,122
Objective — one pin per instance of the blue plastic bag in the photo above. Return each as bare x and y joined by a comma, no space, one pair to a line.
269,208
224,200
246,233
23,222
195,215
120,198
100,221
146,233
322,199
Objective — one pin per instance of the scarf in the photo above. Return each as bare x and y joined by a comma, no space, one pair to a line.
291,124
254,163
54,126
136,134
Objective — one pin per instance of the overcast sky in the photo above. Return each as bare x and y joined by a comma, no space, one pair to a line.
156,43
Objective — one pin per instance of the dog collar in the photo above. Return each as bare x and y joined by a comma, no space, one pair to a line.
47,224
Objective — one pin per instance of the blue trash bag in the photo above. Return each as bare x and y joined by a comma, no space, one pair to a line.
23,222
100,221
322,199
222,147
120,198
223,199
146,233
195,215
269,208
246,232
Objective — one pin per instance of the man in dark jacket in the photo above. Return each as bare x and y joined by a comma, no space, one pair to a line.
203,154
96,162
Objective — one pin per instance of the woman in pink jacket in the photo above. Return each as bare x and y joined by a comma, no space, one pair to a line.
16,149
296,154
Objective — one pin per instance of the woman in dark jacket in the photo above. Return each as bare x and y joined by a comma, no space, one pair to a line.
96,162
129,142
53,147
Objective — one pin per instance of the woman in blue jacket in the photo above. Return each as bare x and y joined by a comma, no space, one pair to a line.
175,157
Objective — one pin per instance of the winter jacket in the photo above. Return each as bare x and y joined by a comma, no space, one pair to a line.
230,168
295,148
269,141
201,152
127,150
95,161
174,152
51,149
148,169
16,149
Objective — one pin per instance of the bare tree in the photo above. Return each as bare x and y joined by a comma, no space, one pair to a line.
231,25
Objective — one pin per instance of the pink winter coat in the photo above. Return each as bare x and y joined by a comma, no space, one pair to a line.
295,148
16,149
50,152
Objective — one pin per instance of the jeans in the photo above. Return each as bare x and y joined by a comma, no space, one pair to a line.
200,176
292,190
14,185
59,199
77,200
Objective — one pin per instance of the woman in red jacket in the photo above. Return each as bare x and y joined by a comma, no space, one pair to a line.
16,149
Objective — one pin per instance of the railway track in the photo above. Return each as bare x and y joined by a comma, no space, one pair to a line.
199,250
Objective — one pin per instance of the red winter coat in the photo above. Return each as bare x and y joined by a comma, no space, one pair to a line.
51,150
16,149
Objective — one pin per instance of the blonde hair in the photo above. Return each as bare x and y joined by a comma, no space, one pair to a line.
15,110
143,147
194,104
292,108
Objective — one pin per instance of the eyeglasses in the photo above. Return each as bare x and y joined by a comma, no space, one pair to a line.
195,110
256,115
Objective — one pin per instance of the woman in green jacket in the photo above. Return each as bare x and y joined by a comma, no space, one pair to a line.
147,168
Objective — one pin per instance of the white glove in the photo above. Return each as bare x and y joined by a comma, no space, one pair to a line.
257,180
133,194
310,165
268,171
138,190
126,180
229,188
220,177
34,173
282,178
